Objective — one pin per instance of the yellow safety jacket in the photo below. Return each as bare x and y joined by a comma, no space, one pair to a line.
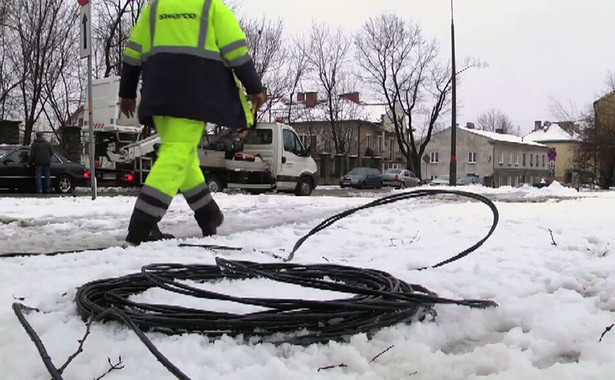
194,61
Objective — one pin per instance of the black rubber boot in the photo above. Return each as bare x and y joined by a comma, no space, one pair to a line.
143,227
209,218
156,234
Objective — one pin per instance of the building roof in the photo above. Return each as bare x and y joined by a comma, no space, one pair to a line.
501,137
552,132
348,111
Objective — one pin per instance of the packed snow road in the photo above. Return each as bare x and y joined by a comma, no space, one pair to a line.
549,266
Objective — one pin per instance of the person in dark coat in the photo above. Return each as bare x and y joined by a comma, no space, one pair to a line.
40,157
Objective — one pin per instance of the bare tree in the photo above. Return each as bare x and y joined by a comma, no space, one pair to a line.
329,61
9,79
115,20
495,121
594,159
610,81
564,111
266,43
403,66
42,29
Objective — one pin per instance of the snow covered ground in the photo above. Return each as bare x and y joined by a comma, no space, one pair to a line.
556,294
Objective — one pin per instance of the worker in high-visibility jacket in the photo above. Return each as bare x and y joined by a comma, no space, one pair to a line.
194,62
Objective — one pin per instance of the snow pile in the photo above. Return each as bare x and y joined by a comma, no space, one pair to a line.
549,266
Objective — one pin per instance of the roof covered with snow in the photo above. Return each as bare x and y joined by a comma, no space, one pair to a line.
347,110
501,137
552,132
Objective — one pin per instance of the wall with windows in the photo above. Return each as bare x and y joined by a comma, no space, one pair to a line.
519,163
474,155
496,163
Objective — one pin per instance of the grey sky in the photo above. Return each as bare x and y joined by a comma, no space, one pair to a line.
536,49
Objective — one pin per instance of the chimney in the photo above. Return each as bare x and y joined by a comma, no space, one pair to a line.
311,99
352,96
301,97
537,125
470,125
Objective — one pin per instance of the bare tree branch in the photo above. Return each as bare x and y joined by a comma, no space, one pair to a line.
495,121
403,67
328,60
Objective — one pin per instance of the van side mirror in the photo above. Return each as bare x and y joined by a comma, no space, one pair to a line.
308,151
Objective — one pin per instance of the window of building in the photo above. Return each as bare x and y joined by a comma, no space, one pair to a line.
524,159
433,157
369,141
501,161
531,160
391,148
471,157
543,161
510,159
516,159
379,143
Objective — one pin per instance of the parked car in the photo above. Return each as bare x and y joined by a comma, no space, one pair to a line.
400,178
441,180
362,178
17,173
468,180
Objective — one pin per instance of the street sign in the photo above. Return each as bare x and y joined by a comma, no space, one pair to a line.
551,165
426,159
552,154
85,23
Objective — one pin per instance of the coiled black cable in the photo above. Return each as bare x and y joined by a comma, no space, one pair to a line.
377,299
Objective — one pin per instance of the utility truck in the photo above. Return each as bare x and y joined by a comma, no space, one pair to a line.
272,159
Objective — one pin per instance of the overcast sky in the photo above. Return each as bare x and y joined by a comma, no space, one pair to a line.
536,49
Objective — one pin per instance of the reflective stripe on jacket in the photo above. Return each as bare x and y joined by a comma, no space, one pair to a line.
194,60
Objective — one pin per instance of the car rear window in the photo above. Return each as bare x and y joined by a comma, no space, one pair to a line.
357,171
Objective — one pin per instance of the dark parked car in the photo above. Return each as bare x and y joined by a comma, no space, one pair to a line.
468,180
17,173
362,178
400,178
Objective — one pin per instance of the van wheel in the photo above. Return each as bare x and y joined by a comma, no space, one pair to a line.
214,183
304,187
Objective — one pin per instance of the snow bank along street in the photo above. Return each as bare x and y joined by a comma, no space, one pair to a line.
549,265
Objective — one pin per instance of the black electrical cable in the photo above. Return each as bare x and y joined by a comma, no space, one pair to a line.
402,196
377,299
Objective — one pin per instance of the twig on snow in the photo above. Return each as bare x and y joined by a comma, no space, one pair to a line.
380,354
606,331
552,239
333,366
80,348
112,367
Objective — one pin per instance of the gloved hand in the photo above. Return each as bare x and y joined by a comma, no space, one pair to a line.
258,100
128,106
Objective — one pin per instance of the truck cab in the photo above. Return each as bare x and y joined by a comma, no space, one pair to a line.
273,158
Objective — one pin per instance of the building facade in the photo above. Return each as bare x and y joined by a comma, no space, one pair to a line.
564,142
496,159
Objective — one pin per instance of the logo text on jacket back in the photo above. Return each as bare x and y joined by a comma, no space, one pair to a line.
176,16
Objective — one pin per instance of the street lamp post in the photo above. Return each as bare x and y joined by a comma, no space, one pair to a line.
453,168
